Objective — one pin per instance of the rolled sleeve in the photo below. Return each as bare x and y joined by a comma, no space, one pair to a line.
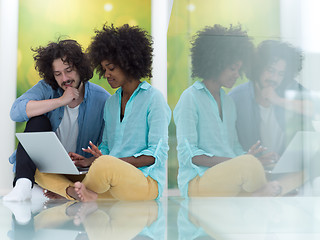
159,153
40,91
18,111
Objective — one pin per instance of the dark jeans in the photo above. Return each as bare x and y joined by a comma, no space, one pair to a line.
25,168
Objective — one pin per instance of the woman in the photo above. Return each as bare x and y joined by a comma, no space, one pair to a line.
130,162
211,160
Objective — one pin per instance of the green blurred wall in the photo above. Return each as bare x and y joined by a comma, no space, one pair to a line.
41,21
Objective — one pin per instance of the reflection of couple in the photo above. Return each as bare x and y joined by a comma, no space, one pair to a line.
212,161
97,220
132,125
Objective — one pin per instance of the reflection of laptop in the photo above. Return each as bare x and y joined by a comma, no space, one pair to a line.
298,153
48,154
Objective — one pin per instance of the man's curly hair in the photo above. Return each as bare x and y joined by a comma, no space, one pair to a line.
128,47
269,52
215,48
69,51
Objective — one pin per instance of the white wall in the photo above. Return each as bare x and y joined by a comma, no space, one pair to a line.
8,76
300,26
160,16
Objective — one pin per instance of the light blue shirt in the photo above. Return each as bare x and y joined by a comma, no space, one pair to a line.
90,118
200,131
142,131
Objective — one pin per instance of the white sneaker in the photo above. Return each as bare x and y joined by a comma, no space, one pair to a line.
20,192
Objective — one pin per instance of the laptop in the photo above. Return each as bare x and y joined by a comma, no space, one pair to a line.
48,154
298,154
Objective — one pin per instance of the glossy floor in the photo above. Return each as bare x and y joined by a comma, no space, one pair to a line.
288,218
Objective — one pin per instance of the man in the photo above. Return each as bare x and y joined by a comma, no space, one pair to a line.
63,102
271,107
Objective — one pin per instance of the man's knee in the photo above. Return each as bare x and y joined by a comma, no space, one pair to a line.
38,124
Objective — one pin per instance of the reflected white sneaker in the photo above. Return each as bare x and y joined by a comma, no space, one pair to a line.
20,192
20,210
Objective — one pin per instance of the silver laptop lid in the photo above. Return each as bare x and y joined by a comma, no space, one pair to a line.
47,152
299,153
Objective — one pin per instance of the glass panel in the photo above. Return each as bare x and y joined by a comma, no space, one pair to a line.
275,97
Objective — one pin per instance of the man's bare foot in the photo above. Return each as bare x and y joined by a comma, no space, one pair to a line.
52,195
84,194
271,189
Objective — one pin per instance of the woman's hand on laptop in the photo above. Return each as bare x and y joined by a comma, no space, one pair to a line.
81,161
94,150
269,159
256,149
266,159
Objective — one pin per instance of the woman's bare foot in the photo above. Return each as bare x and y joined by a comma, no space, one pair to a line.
52,195
72,193
271,189
80,210
85,210
84,194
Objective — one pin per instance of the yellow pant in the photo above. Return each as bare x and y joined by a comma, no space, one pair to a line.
243,174
108,176
124,220
121,220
